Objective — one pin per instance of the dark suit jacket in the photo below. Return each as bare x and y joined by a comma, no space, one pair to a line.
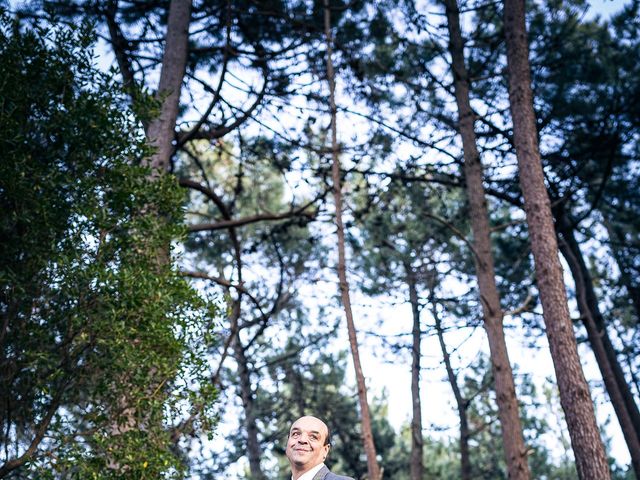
325,474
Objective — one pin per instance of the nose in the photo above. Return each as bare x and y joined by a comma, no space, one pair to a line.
303,438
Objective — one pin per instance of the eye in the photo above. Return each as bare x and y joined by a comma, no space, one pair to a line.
295,434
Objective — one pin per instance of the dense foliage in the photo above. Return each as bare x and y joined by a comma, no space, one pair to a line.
100,362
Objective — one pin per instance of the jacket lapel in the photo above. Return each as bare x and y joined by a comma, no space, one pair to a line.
321,473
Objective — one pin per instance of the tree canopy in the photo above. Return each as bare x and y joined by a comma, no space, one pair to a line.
92,325
219,216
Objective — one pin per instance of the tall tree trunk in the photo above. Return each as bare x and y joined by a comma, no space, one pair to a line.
254,451
512,439
462,403
373,468
591,461
160,134
615,382
161,130
417,440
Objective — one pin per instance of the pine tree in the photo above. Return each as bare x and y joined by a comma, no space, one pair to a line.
576,400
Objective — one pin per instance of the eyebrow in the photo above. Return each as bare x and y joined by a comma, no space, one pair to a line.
296,429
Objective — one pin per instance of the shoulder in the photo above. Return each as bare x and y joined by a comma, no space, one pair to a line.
333,476
325,474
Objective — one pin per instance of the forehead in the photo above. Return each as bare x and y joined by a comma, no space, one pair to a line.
309,424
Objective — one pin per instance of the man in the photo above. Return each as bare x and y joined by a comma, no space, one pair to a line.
307,448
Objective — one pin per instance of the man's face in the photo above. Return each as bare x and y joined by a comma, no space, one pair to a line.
306,444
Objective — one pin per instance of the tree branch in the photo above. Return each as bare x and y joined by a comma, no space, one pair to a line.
230,223
221,131
15,463
209,193
216,95
221,281
120,46
522,308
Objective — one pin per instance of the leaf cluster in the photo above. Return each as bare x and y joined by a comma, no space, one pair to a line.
96,334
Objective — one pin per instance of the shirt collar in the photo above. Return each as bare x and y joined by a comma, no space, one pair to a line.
309,474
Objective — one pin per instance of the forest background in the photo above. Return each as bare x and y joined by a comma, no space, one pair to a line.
178,284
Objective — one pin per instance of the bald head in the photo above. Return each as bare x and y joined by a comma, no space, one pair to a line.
308,444
313,421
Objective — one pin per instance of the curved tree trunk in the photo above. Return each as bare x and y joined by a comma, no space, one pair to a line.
591,461
373,468
417,440
619,393
512,439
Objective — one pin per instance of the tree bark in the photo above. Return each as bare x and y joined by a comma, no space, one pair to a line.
591,461
417,440
461,403
617,388
373,468
254,451
512,439
161,131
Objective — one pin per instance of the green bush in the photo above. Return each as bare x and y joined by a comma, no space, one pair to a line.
101,340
